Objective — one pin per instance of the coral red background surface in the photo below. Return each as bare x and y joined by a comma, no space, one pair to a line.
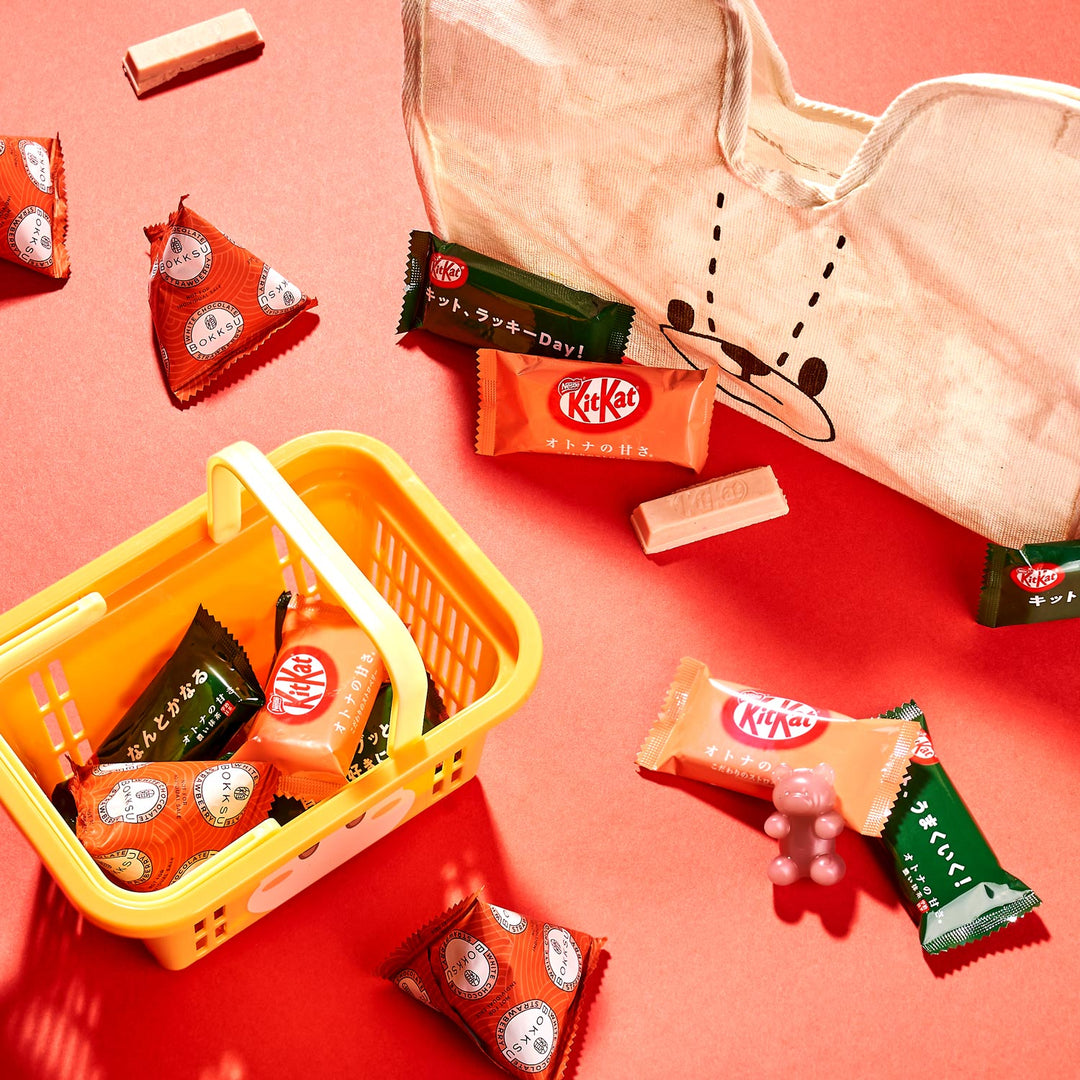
856,600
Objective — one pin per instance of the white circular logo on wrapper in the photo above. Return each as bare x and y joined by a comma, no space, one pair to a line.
186,257
212,329
133,802
509,920
276,293
470,967
3,147
36,161
222,792
202,856
129,865
412,984
527,1034
30,236
562,957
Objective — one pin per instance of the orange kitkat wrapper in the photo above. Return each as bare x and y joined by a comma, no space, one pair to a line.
623,411
211,300
733,737
33,204
319,695
514,984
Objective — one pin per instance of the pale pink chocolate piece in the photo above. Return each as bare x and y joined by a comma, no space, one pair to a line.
708,509
163,58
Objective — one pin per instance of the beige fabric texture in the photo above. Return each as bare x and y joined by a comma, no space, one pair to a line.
899,292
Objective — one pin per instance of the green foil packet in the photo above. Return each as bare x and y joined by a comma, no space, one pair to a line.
374,747
950,879
1032,584
205,692
460,294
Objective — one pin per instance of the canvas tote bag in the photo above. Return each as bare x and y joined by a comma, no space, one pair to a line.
901,293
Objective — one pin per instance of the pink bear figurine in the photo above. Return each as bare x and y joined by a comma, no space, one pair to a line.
806,825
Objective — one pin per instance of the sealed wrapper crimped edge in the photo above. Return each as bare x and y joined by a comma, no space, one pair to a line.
937,852
706,723
513,968
990,591
687,674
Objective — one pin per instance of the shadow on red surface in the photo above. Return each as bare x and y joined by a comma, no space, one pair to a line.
224,64
836,906
1030,930
17,283
85,1001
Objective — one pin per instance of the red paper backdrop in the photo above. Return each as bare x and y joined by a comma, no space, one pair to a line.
858,599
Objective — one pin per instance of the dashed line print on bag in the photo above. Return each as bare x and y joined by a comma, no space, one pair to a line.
744,376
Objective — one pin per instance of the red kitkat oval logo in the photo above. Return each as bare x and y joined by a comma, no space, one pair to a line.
923,751
589,401
765,720
1038,577
447,271
303,685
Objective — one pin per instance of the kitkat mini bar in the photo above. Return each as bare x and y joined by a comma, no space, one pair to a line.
1035,583
625,412
33,205
952,882
733,737
460,294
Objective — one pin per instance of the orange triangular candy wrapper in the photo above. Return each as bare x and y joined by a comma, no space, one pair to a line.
211,300
33,207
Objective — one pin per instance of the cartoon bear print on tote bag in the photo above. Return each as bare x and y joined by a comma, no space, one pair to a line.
786,387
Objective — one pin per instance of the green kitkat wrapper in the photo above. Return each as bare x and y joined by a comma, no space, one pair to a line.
461,294
950,879
1032,584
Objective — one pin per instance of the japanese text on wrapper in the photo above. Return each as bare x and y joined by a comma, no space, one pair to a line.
531,340
740,765
586,446
199,729
1052,598
939,852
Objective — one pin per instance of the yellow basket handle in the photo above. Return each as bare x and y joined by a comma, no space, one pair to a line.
242,464
50,633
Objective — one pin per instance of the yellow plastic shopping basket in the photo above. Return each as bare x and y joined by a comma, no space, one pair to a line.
333,512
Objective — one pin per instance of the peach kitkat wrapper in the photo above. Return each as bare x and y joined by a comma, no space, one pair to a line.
514,984
211,300
731,736
33,205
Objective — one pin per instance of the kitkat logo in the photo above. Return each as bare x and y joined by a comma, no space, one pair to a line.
764,720
1038,577
586,401
923,751
447,271
303,685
